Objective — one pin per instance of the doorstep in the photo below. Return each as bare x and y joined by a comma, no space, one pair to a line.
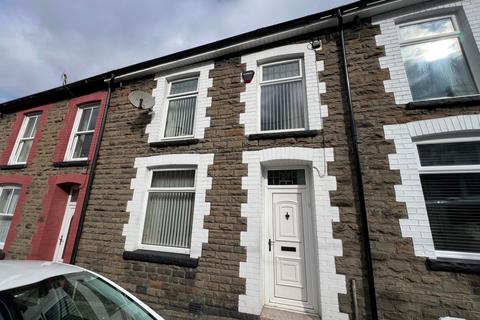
276,314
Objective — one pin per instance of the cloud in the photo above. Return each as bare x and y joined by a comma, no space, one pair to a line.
40,40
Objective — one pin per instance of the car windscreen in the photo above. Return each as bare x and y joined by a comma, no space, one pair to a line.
73,296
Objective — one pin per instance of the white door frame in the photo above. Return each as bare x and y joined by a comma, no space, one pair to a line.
309,242
69,212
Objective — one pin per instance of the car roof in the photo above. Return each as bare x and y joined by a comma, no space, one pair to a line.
17,273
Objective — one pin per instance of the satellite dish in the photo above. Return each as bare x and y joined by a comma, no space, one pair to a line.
141,100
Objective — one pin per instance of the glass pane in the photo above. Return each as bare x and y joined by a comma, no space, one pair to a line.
168,221
428,28
184,86
180,118
31,127
173,179
438,69
13,202
83,124
5,199
453,207
449,154
282,106
286,177
93,119
82,146
281,71
24,149
4,226
80,295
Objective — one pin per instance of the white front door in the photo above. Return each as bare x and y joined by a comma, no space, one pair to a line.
67,220
291,278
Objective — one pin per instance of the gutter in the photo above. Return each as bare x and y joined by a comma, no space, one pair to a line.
358,173
91,174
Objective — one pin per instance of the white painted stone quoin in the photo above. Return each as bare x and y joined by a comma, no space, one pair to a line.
330,283
139,185
389,38
417,225
155,129
314,88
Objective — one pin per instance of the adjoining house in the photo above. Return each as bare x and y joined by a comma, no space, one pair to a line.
340,182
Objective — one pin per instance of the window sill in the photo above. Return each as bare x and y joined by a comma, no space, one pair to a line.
167,143
454,265
444,102
181,260
282,135
75,163
13,166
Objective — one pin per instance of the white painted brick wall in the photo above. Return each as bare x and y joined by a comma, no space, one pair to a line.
140,184
331,283
417,225
155,129
314,88
389,38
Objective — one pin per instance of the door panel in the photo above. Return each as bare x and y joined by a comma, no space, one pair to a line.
67,220
288,249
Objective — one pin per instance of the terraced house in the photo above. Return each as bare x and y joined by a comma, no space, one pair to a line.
325,167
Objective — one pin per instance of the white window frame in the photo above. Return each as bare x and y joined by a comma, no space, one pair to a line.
3,214
426,39
261,83
149,189
170,97
422,170
72,142
16,148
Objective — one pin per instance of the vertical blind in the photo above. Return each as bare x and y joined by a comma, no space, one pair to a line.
168,220
181,116
282,102
452,198
8,202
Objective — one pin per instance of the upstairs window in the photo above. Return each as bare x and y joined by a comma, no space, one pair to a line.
181,107
169,212
25,138
282,98
83,130
450,177
434,59
8,202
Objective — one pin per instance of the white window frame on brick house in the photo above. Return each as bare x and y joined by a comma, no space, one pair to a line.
314,110
406,138
156,128
262,83
172,97
466,14
9,215
137,207
456,34
22,140
73,140
151,189
448,169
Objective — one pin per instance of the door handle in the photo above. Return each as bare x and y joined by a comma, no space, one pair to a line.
270,242
61,239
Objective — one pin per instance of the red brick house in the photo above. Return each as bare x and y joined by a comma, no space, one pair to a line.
341,182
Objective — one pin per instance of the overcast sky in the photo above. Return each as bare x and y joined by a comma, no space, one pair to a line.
40,40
